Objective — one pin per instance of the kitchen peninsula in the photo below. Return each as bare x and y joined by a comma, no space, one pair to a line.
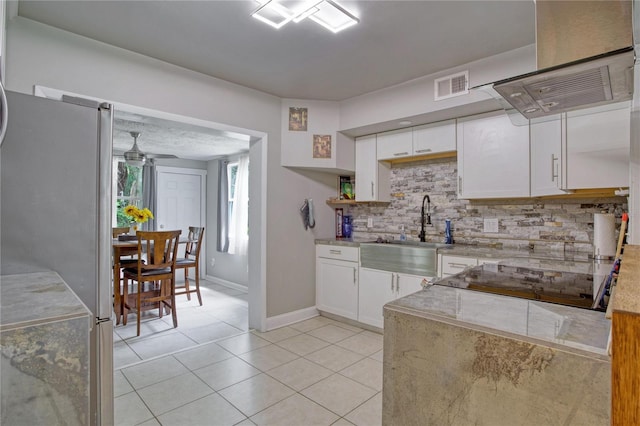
456,356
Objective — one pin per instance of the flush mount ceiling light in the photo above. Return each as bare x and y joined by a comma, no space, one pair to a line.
327,13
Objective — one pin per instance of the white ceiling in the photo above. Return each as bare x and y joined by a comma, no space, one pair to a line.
186,141
396,41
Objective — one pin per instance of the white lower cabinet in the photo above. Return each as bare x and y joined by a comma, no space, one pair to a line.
337,281
407,284
378,288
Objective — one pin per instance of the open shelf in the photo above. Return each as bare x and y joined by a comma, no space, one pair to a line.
338,202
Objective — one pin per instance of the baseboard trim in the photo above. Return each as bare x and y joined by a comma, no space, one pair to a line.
226,283
291,317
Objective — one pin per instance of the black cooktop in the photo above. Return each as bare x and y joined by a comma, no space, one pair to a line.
545,285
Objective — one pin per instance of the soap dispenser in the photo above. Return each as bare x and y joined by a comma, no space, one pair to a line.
403,236
448,236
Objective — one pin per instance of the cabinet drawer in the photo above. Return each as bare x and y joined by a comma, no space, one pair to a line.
350,254
455,264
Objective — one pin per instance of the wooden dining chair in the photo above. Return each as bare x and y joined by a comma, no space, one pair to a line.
126,261
155,277
119,231
191,259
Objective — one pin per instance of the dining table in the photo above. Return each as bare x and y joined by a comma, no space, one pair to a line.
124,246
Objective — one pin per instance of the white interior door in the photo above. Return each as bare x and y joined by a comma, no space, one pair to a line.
180,202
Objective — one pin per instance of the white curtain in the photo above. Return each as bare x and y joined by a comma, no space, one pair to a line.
222,244
240,220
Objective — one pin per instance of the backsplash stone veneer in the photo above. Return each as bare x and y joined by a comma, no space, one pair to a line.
549,224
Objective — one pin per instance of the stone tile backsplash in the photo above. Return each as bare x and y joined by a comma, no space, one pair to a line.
553,224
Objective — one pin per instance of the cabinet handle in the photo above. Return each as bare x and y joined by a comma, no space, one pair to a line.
457,265
397,283
333,251
397,154
423,150
372,189
554,168
392,283
459,184
354,276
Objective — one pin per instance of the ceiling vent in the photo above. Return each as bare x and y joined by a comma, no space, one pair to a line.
451,85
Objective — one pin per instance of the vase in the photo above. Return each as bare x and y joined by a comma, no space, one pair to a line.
133,227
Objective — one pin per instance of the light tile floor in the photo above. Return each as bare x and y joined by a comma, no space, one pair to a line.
223,313
315,372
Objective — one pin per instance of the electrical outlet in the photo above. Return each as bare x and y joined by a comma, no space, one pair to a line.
491,225
370,222
213,261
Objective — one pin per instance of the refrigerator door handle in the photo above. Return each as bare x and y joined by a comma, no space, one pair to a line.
4,114
104,351
105,153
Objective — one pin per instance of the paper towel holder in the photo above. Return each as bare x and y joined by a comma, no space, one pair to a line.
604,242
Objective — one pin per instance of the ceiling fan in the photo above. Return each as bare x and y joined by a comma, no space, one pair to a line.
135,157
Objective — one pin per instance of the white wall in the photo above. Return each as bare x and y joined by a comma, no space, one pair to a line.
38,54
416,97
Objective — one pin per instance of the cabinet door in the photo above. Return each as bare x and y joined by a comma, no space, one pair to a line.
337,287
493,157
435,137
395,144
372,177
598,147
451,265
407,284
377,289
546,157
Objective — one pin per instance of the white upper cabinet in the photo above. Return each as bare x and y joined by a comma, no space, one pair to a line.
598,143
547,160
586,149
372,177
395,144
434,138
493,157
417,141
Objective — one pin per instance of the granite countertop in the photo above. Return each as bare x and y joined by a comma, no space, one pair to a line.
487,252
349,242
567,328
37,298
627,296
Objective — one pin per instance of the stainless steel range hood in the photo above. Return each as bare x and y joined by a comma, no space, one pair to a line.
585,58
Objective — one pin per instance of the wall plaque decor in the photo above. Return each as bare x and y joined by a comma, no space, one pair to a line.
298,119
321,146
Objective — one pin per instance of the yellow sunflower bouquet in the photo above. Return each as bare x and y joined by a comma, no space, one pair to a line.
138,215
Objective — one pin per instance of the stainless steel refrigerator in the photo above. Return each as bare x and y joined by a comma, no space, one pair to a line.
55,166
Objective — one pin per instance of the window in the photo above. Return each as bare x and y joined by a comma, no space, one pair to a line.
127,189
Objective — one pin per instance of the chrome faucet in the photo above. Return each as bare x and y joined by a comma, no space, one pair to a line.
422,234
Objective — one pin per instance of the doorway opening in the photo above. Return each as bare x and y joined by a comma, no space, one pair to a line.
226,137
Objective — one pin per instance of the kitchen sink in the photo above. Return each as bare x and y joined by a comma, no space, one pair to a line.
408,257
